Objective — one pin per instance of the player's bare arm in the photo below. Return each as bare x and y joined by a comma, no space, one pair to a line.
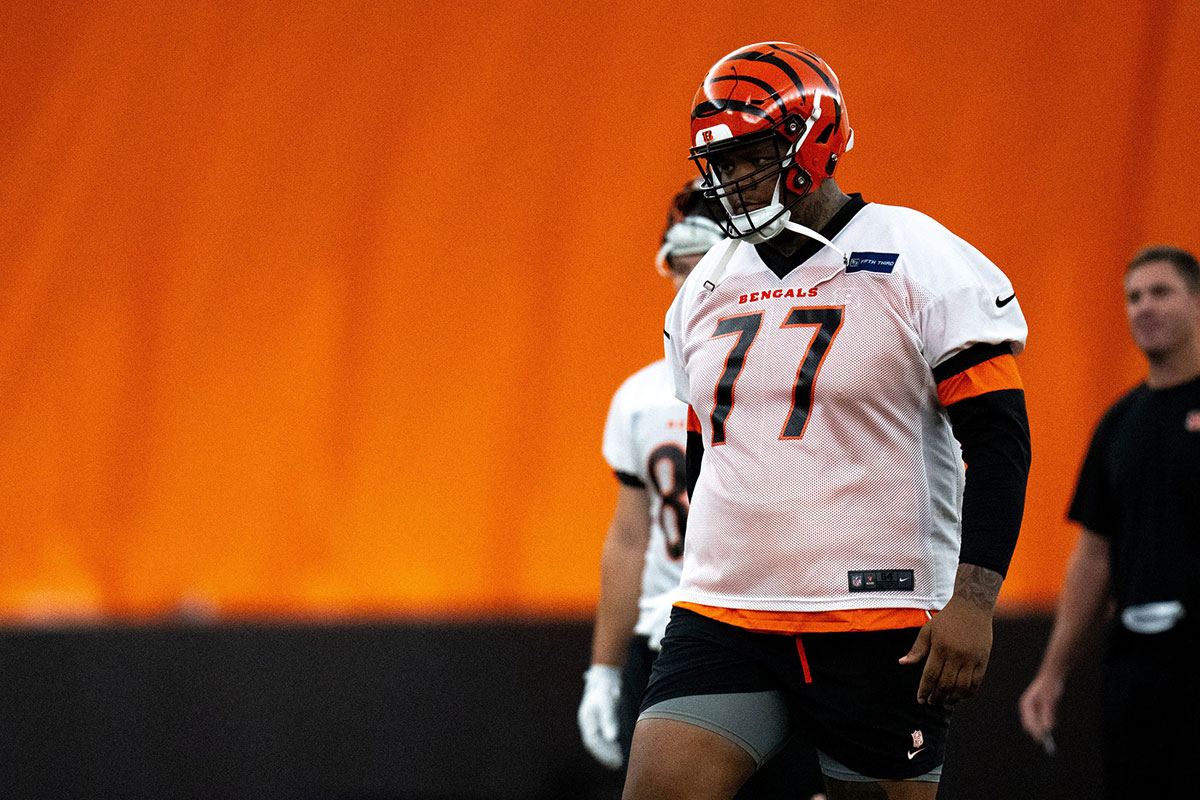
616,616
957,642
621,564
977,586
1081,603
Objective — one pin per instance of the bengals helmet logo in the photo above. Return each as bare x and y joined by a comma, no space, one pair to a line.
708,136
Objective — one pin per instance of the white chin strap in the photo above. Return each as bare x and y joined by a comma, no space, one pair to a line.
755,229
810,233
763,223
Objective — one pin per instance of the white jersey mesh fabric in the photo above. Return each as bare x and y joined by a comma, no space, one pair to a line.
645,436
827,452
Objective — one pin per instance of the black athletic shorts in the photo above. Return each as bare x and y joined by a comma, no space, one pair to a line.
845,691
793,774
639,660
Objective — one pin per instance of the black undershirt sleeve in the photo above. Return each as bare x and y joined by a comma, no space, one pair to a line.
993,430
973,355
695,455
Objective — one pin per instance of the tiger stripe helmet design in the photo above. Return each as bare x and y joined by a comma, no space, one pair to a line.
778,91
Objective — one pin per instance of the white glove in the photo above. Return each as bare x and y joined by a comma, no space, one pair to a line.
598,714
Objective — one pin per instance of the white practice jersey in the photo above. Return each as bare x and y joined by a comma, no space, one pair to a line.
827,452
645,436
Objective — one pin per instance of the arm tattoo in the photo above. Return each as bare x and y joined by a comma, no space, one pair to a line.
977,585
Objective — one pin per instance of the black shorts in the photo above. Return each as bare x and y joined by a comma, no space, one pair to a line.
639,660
845,691
793,773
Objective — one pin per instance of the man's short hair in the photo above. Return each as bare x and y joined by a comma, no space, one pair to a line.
1183,261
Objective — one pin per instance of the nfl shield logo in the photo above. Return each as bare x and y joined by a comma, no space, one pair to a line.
918,738
856,580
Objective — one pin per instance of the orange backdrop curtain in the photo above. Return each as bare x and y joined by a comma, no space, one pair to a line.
316,308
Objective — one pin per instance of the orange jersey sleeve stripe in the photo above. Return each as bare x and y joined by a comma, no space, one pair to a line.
794,622
693,422
992,375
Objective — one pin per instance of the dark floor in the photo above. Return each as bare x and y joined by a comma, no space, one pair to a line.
480,711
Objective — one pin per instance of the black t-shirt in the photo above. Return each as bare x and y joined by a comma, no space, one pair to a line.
1140,488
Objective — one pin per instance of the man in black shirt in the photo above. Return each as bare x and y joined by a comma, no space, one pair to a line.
1138,502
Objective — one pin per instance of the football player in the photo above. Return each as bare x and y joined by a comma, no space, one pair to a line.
841,360
644,440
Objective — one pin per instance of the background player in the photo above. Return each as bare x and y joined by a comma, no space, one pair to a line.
644,443
829,369
1136,501
644,440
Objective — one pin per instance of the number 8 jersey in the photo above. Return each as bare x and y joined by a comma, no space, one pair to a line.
644,440
831,479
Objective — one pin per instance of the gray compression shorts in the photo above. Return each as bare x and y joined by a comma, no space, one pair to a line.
757,722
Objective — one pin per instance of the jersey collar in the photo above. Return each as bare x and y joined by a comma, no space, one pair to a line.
782,266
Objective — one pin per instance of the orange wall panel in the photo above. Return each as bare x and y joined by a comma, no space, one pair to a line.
317,309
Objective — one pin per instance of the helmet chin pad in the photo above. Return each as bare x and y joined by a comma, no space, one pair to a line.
761,224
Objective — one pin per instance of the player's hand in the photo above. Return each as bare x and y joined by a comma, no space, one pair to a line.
956,645
598,714
1039,706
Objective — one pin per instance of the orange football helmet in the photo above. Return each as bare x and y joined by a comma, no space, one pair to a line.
770,91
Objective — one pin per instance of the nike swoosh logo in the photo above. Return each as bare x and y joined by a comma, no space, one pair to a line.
912,753
1002,303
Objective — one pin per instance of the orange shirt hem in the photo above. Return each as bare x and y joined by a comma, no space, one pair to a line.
794,622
